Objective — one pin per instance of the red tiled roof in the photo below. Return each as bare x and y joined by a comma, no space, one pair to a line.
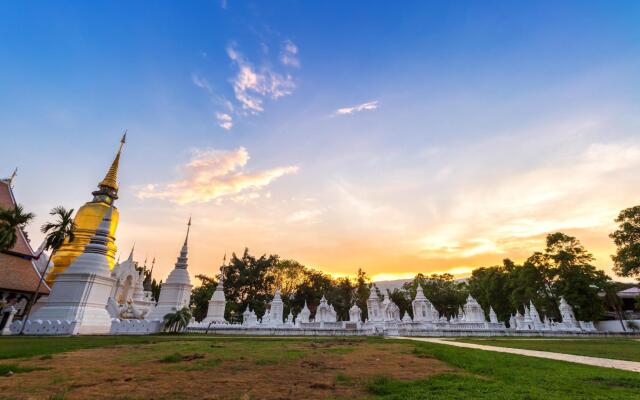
19,274
17,269
8,201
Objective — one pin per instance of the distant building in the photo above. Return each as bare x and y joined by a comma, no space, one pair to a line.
19,274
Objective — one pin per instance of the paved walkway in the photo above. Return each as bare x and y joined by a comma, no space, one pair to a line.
598,362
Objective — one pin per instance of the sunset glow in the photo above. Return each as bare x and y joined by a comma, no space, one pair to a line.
376,149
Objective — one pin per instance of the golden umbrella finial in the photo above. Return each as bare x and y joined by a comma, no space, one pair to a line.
111,179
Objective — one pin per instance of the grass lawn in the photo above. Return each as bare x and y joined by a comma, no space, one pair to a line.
618,348
194,367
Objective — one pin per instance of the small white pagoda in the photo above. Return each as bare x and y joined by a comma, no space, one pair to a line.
217,304
175,292
325,312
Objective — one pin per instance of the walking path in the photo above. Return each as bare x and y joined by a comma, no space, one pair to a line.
598,362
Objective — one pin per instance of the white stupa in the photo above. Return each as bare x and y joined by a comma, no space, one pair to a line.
303,316
493,318
275,315
472,311
355,314
81,292
374,310
325,312
217,304
423,310
175,292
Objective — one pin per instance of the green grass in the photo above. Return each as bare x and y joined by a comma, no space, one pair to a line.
488,375
172,358
344,379
30,346
619,349
25,347
478,374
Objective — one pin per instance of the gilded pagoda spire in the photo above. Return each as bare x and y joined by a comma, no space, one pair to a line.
111,178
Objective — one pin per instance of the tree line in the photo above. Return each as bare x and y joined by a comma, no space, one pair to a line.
564,268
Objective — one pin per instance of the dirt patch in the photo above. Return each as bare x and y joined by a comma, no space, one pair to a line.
317,374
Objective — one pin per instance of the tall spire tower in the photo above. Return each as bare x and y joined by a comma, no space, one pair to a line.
175,292
89,217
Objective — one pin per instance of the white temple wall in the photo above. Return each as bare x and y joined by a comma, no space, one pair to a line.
614,326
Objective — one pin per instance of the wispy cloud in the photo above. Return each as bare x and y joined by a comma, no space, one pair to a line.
213,175
225,121
202,83
251,85
371,105
289,54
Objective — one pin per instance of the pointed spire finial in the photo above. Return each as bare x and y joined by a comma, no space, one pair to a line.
186,239
111,178
13,175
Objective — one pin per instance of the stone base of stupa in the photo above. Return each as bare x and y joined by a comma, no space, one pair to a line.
76,306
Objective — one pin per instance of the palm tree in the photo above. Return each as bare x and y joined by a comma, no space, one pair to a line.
12,219
177,321
55,235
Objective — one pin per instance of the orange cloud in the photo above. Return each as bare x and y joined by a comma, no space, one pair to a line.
213,175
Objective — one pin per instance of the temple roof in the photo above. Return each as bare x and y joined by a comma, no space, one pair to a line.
17,265
19,274
7,200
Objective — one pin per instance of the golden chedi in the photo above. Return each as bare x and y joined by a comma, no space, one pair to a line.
87,220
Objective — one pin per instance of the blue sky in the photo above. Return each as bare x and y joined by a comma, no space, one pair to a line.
399,137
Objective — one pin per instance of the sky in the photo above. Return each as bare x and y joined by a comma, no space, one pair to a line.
397,137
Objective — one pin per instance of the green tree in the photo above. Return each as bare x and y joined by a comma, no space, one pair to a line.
56,233
341,297
201,295
315,285
490,286
12,219
575,277
362,291
249,283
626,261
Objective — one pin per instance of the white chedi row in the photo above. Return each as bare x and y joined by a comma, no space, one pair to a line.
531,320
383,314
